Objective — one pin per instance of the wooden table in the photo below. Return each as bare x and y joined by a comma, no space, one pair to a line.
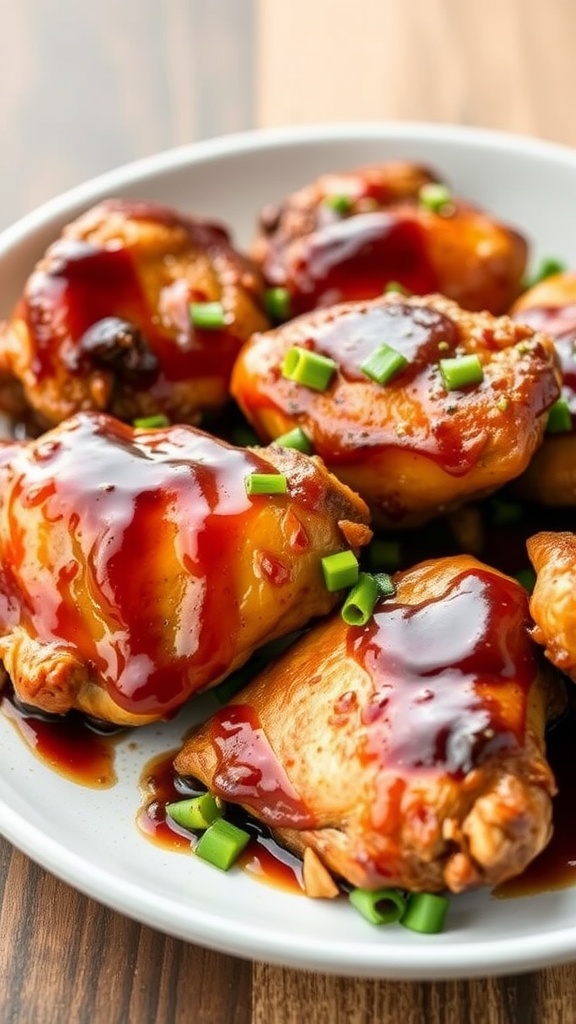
88,86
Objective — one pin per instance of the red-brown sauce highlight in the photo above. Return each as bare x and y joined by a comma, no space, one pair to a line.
437,668
91,505
68,746
262,858
81,282
354,258
559,322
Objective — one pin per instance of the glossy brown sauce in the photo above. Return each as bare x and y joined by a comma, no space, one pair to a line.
85,512
262,858
355,257
437,668
560,323
248,770
413,412
72,749
82,282
68,746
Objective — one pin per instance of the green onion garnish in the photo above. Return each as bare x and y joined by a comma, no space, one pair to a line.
278,303
222,843
209,315
196,813
461,371
385,584
559,418
548,266
359,605
381,906
435,197
266,483
526,578
151,422
339,203
340,570
384,363
425,912
297,439
309,368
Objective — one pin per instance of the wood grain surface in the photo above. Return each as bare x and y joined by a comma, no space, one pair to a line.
88,86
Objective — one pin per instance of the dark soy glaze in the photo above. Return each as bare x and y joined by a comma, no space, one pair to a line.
68,745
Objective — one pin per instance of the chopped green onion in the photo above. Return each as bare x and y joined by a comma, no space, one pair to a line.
385,584
266,483
526,578
309,368
461,371
384,554
222,843
559,418
340,570
381,906
425,912
196,813
339,203
395,286
359,605
278,303
209,315
384,363
151,422
297,439
435,197
548,266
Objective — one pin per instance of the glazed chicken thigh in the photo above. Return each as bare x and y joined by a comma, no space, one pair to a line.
550,306
104,321
407,752
553,600
346,236
411,445
136,570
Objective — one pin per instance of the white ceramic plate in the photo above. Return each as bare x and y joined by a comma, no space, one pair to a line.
88,837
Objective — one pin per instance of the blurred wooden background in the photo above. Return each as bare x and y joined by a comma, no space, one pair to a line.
87,86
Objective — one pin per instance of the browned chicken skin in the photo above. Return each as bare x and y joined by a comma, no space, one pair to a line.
104,321
135,570
346,236
550,306
410,447
406,752
553,601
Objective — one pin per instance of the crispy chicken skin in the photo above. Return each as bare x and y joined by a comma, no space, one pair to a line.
136,570
553,600
411,448
104,323
345,236
550,306
406,752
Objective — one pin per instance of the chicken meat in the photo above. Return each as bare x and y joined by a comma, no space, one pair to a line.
408,751
137,569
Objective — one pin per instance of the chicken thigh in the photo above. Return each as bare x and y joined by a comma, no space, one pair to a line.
346,236
406,752
105,322
412,445
550,306
136,569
